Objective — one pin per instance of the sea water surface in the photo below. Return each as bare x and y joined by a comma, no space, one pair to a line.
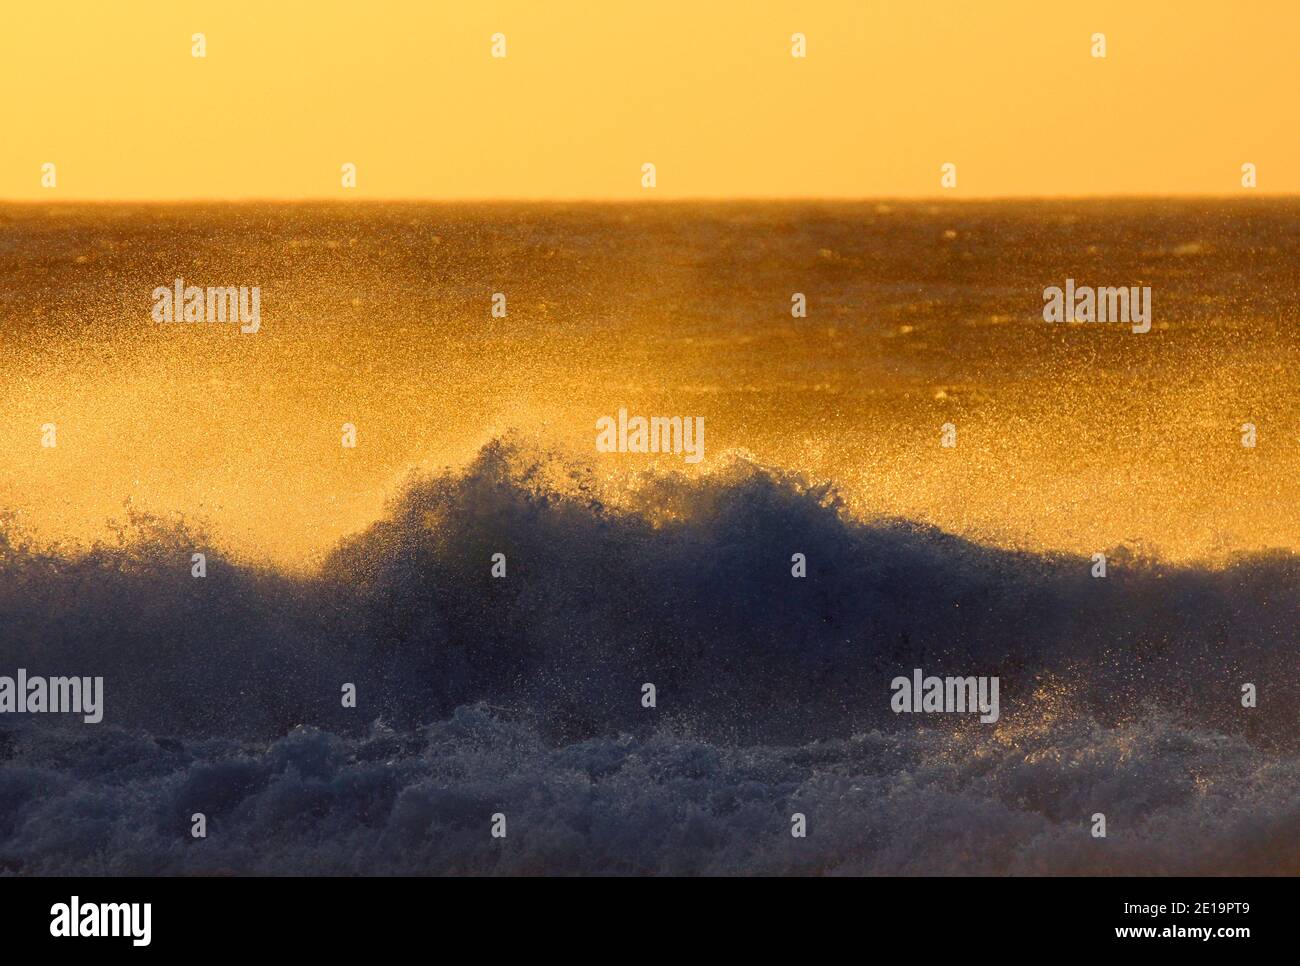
522,696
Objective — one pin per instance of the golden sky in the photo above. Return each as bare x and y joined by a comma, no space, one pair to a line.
705,89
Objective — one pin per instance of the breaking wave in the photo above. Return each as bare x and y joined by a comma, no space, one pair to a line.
523,695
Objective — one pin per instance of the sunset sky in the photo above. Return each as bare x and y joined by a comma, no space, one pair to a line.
408,91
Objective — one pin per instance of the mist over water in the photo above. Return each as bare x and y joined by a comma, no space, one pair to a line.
1073,438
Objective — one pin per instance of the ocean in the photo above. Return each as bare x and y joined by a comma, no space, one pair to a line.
371,566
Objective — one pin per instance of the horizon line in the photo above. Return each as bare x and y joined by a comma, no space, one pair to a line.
682,199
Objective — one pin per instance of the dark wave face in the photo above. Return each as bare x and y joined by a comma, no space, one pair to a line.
523,695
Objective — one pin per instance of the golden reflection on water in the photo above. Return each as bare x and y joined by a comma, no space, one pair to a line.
1069,438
